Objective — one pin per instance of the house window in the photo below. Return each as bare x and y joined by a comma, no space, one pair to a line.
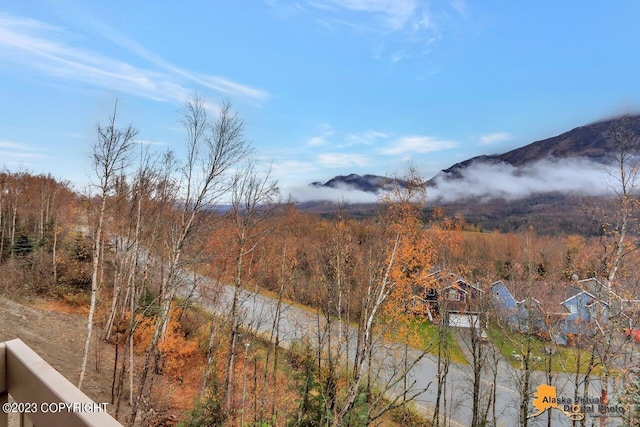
453,295
573,308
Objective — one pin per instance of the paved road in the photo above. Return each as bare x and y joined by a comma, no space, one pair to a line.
298,324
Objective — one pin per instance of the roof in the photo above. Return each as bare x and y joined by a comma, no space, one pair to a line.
594,287
529,299
451,279
494,284
546,295
576,294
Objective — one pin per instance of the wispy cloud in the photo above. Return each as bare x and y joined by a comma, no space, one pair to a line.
35,45
460,6
399,56
317,141
17,146
17,153
393,14
337,139
340,160
492,138
323,137
403,24
417,144
216,83
368,137
290,167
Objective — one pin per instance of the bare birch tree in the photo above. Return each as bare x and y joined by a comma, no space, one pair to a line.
252,198
110,157
213,149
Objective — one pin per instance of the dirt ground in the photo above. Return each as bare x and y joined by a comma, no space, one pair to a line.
58,338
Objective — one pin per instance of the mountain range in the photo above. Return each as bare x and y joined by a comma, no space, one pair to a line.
540,184
597,141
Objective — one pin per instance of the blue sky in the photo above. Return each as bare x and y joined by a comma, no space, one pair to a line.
325,87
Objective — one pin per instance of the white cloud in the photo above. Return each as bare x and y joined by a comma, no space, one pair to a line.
338,139
494,137
365,138
16,152
406,26
460,6
399,56
490,180
322,139
338,195
19,156
289,167
317,141
37,45
228,87
216,83
417,144
393,13
16,146
340,160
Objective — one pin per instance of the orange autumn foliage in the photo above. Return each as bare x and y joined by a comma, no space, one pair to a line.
178,353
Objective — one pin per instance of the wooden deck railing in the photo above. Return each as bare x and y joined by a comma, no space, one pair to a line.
40,396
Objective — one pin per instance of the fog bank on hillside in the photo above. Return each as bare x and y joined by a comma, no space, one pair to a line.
343,193
484,181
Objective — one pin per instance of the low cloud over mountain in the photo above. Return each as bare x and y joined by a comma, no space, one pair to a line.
500,180
351,188
338,194
577,162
